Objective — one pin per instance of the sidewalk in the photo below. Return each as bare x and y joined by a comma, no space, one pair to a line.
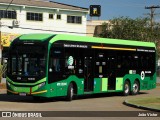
152,104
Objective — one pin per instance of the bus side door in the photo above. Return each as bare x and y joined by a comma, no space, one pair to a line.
88,74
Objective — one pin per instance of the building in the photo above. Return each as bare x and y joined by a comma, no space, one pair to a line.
37,16
94,27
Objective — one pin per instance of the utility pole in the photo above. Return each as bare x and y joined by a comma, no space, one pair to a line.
152,8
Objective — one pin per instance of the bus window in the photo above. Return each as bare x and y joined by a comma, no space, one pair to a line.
80,67
135,60
25,62
33,67
56,64
125,62
19,65
56,60
42,65
26,66
112,62
13,65
119,62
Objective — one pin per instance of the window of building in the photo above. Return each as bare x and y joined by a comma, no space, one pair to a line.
8,14
51,16
34,16
74,19
58,17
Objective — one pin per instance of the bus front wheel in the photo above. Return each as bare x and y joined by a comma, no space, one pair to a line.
126,89
70,92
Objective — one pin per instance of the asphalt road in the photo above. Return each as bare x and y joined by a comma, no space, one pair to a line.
100,102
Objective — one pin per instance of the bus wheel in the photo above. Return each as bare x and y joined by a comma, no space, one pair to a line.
70,92
135,90
126,89
36,98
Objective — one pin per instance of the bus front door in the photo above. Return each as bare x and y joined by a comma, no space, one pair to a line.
88,74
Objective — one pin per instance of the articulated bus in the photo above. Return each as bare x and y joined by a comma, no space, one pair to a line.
54,65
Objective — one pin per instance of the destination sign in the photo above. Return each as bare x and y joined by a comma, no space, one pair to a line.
75,46
144,50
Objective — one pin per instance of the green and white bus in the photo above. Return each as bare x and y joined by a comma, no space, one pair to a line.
52,65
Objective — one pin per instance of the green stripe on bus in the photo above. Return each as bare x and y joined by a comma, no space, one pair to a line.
101,40
104,84
119,83
38,37
42,37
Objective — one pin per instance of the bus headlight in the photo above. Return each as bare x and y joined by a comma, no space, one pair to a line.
41,85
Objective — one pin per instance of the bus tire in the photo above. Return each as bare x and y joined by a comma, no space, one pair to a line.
70,92
36,98
126,88
136,88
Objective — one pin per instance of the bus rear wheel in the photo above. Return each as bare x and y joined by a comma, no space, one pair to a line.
135,88
70,92
126,89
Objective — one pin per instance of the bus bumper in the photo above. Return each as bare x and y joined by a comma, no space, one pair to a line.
38,90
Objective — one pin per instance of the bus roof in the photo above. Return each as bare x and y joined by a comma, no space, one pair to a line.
38,37
56,37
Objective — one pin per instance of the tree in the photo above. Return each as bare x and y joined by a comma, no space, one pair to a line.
131,29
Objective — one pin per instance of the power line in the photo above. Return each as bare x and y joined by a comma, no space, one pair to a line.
9,5
46,30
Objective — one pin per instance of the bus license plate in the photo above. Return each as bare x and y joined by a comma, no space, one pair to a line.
22,94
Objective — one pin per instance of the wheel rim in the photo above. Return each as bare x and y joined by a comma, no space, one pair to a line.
135,88
126,88
72,92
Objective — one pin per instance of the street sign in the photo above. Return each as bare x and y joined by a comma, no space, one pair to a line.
95,10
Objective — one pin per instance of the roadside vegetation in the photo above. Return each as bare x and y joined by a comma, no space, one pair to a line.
139,29
151,102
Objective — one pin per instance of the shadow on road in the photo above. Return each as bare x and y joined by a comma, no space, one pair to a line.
102,95
29,99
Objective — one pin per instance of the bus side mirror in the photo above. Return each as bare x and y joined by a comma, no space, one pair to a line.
50,70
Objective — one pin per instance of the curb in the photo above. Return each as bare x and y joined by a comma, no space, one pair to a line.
140,107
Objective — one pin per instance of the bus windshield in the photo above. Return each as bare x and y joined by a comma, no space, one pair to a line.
27,62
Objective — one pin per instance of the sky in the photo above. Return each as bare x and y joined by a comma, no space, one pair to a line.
116,8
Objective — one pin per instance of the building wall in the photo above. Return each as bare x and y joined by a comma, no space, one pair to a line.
46,26
91,25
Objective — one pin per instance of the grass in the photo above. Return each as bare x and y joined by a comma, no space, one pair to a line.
153,102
